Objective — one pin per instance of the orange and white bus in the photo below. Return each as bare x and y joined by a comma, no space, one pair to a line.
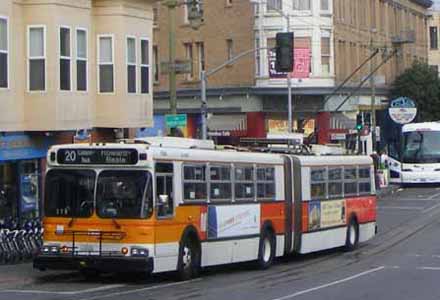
172,204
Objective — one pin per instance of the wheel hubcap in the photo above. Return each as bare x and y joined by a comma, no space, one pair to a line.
352,234
186,258
267,250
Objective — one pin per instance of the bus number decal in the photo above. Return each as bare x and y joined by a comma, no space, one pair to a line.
70,156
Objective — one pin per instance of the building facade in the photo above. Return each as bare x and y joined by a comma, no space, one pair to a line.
332,38
433,37
69,71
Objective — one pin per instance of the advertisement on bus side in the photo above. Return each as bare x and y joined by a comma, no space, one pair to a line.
232,221
325,214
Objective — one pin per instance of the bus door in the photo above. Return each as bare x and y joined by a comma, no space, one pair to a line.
288,192
394,164
165,225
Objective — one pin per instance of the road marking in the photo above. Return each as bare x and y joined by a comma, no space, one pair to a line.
330,284
154,287
412,200
434,196
429,268
436,256
401,207
415,255
431,208
91,290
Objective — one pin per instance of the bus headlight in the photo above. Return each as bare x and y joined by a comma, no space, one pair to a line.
50,249
54,249
139,252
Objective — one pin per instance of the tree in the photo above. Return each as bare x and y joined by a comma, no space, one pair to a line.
421,84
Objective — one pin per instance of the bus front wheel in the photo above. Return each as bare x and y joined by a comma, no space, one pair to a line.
266,251
189,260
352,240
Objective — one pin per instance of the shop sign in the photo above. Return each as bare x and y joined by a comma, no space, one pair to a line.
338,136
21,146
219,133
301,67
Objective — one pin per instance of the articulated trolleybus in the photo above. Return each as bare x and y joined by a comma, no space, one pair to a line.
172,204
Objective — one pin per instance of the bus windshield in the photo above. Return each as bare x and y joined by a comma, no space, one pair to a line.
421,147
120,194
69,193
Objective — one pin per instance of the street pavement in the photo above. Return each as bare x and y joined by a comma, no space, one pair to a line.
401,262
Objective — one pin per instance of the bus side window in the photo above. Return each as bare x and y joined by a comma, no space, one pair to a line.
164,190
318,186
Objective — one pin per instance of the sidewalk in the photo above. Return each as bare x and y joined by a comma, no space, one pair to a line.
389,190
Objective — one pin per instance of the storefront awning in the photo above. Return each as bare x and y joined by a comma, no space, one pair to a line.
227,125
21,146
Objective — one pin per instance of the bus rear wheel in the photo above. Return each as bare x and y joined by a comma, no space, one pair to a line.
352,239
189,260
266,250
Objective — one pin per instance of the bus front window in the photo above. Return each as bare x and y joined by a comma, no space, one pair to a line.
124,194
421,147
69,193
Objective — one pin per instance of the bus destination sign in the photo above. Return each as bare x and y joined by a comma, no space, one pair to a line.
97,156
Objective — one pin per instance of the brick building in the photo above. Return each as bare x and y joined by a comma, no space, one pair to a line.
332,38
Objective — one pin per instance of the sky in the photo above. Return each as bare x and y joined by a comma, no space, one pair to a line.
436,5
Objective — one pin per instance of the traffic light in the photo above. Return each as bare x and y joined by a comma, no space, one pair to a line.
359,122
284,52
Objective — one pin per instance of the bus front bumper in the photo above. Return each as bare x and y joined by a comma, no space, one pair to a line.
99,263
420,177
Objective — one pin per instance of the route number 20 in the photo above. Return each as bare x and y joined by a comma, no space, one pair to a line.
70,156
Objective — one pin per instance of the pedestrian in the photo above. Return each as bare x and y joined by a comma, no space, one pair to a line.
376,161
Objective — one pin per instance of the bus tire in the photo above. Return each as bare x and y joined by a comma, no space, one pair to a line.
266,250
352,239
188,265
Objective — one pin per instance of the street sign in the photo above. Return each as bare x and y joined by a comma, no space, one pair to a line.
179,66
173,121
402,110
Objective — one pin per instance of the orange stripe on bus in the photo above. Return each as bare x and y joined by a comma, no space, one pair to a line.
305,217
274,212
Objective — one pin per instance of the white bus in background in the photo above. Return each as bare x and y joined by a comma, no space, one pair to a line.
420,153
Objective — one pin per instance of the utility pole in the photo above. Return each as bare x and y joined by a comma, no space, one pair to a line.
373,94
289,88
171,5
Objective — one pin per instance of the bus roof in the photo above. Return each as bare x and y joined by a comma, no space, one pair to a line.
190,150
334,160
426,126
